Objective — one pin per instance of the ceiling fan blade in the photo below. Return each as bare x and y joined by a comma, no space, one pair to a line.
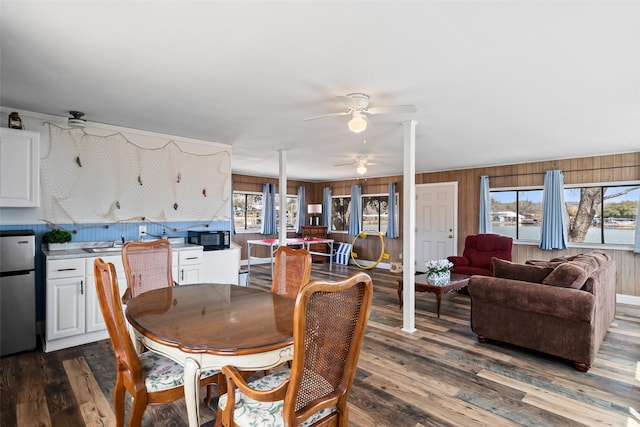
392,109
346,164
348,101
326,115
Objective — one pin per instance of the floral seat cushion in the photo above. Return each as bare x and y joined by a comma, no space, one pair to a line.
249,412
162,373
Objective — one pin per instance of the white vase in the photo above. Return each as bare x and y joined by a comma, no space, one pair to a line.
439,279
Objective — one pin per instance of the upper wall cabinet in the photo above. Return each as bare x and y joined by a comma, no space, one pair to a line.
19,168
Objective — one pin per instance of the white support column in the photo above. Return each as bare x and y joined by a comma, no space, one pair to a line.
408,228
282,233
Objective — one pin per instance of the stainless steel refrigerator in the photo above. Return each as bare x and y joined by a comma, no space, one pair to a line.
17,291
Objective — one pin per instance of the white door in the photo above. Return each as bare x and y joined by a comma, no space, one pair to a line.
436,222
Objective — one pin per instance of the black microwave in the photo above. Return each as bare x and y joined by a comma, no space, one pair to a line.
210,240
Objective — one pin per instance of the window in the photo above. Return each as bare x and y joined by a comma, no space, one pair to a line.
247,209
340,213
375,213
517,213
602,214
292,211
596,214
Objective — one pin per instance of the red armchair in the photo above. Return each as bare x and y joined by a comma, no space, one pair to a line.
478,251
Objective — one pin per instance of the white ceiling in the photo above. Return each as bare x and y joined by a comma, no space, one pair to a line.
494,82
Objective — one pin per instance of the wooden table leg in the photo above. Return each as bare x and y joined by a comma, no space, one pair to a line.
400,292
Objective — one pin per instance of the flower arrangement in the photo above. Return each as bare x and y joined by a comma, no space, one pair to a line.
438,266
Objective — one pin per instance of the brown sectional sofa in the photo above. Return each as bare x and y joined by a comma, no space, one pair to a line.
561,307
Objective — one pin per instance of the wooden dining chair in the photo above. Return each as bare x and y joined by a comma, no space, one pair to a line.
291,271
150,378
147,266
329,324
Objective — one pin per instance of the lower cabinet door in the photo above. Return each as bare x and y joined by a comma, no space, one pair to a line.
65,307
189,274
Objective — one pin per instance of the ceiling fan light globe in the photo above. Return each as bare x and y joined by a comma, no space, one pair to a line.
357,124
361,169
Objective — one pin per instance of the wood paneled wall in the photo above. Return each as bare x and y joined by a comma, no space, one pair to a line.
586,170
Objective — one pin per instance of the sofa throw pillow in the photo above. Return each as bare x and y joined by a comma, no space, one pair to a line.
541,263
528,273
567,275
600,257
590,263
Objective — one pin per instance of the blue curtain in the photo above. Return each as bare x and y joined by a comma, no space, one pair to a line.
636,247
554,233
233,212
484,221
355,214
269,223
326,208
392,220
302,210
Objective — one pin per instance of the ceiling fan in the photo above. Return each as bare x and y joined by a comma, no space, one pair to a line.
358,106
361,163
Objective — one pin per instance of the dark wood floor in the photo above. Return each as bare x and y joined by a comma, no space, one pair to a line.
438,376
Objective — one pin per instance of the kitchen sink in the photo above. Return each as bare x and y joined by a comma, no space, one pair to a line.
102,250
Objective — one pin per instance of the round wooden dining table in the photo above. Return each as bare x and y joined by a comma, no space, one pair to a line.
208,326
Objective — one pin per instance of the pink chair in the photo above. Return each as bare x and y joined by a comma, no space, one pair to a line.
478,251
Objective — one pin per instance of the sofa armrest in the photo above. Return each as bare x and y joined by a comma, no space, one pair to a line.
566,303
458,261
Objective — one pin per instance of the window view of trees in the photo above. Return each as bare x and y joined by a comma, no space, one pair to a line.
247,208
292,210
340,213
599,215
375,213
602,214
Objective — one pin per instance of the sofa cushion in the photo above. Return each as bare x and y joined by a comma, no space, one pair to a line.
528,273
568,275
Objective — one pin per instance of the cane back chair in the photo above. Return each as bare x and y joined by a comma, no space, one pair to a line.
150,378
291,271
329,324
147,266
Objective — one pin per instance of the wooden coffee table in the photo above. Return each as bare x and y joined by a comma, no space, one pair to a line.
457,282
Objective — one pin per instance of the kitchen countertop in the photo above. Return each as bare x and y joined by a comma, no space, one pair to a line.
77,249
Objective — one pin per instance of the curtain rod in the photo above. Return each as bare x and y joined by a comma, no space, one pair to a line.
564,171
362,185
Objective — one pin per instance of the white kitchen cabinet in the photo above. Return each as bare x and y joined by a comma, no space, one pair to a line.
65,305
19,168
189,266
93,314
73,314
221,266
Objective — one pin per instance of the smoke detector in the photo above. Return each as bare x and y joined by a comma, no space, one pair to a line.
77,121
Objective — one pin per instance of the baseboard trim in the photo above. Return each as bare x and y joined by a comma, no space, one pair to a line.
627,299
